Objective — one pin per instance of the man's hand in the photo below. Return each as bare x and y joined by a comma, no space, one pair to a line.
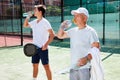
45,47
82,61
30,14
26,24
96,44
65,24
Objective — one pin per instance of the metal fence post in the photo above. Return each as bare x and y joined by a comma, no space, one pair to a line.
21,23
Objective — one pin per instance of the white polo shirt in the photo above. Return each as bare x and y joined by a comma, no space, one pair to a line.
80,43
40,31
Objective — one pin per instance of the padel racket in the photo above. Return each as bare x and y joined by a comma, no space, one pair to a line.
30,49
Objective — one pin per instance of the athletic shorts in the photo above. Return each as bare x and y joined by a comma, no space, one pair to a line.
80,74
41,55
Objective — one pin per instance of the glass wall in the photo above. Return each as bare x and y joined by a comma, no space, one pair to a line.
104,18
10,29
112,23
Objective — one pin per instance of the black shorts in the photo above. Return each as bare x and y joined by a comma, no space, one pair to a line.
41,55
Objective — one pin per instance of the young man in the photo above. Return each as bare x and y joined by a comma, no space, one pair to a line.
42,36
82,39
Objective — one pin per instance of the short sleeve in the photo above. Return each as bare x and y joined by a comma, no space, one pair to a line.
69,32
94,37
32,23
47,25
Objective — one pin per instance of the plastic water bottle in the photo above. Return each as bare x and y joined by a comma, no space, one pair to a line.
28,13
69,23
66,24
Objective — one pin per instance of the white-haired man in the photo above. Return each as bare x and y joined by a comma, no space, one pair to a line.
82,38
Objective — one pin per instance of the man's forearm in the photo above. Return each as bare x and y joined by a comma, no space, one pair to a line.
51,37
84,60
26,23
60,33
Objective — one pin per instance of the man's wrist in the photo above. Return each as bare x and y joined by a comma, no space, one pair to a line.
87,58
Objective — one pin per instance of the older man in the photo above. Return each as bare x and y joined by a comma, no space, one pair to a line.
82,39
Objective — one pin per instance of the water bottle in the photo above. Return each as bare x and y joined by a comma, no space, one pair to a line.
29,13
68,23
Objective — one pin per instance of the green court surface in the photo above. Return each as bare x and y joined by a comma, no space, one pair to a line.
14,65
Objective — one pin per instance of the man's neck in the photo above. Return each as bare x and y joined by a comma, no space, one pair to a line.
39,19
82,26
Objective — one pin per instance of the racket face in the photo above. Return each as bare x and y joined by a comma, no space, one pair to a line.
30,49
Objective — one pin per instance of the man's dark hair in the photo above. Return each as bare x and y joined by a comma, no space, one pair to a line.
41,8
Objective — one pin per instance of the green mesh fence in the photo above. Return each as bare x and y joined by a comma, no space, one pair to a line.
104,18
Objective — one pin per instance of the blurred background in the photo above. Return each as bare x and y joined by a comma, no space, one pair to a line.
104,18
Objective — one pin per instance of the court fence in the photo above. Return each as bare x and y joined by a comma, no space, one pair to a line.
104,18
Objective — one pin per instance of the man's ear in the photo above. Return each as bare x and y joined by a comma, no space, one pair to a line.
85,18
